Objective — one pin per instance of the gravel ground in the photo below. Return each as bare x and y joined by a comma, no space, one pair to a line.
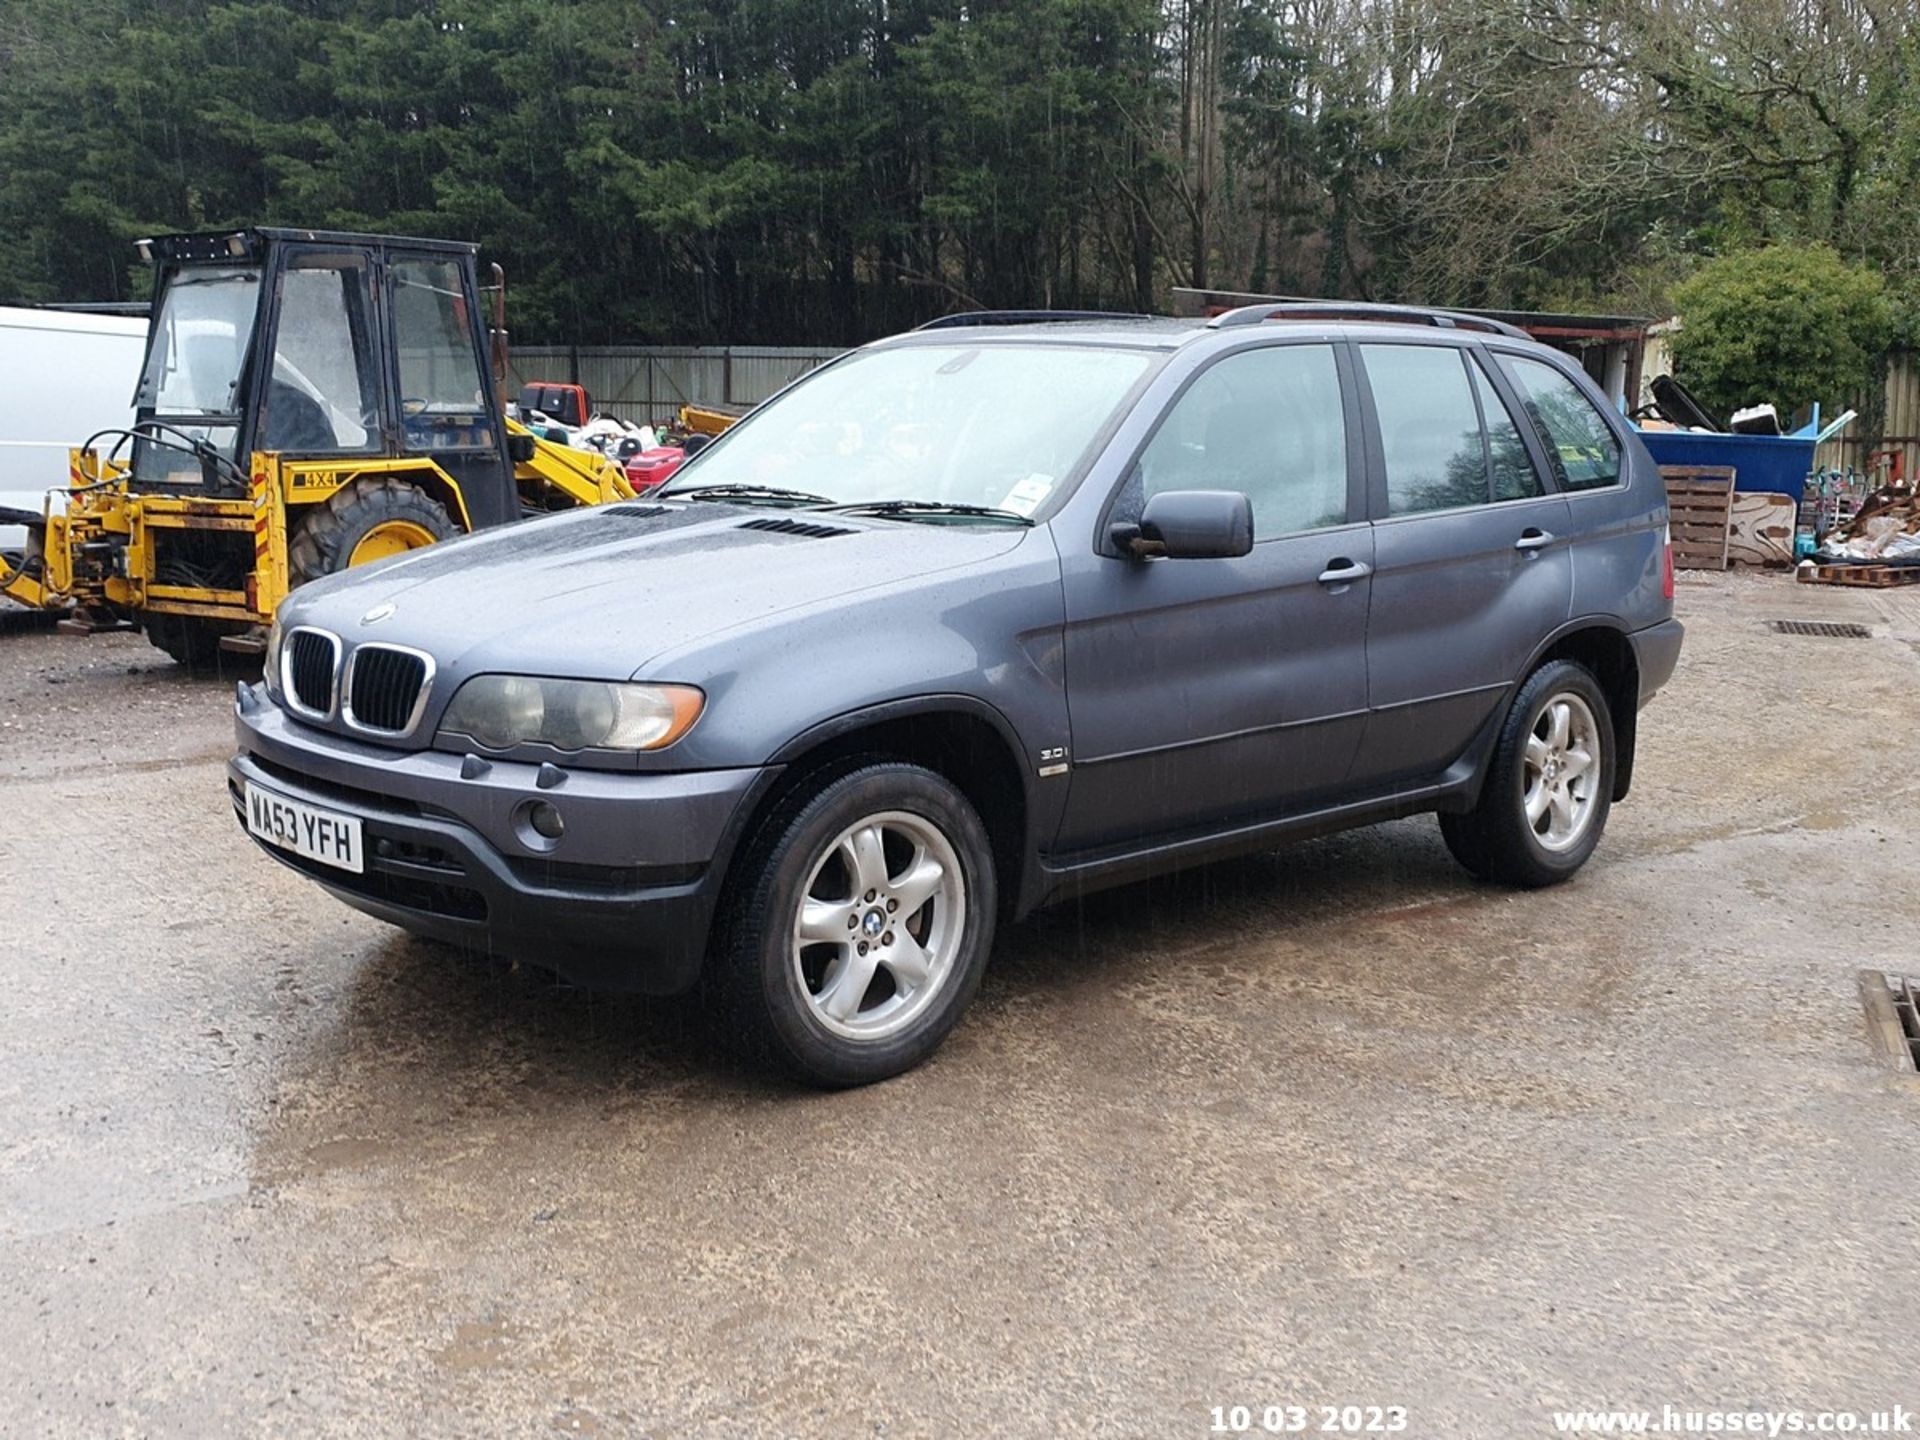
1333,1125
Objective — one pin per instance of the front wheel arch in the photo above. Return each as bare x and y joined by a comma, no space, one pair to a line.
965,740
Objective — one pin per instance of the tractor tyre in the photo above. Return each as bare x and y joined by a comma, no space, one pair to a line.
368,520
191,641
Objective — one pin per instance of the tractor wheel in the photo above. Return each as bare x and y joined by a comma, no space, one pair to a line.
366,521
190,640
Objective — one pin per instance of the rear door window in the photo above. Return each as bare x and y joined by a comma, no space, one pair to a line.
1580,444
1431,444
1514,477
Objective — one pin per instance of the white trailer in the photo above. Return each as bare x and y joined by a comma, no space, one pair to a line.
63,376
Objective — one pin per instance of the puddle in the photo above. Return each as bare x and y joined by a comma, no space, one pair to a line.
477,1345
347,1154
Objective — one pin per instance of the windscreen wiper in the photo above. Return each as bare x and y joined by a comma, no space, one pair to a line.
908,509
766,494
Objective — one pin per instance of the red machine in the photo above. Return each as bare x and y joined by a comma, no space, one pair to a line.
569,404
689,431
651,469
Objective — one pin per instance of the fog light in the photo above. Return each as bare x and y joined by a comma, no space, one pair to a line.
545,820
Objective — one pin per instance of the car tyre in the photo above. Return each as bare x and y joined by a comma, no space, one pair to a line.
1548,787
859,927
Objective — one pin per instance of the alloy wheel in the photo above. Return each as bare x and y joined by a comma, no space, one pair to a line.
1561,779
879,924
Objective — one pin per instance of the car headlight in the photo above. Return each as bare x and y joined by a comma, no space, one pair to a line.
270,666
499,712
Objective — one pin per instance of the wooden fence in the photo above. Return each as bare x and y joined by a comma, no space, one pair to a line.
1896,439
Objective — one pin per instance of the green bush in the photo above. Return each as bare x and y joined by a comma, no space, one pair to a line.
1790,324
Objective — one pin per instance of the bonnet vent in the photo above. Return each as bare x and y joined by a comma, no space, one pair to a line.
808,529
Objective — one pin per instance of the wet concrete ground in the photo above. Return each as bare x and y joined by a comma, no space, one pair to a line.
1333,1125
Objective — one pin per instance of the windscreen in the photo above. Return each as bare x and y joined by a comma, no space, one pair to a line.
194,357
999,425
200,341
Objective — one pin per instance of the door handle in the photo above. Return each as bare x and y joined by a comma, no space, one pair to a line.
1342,571
1533,538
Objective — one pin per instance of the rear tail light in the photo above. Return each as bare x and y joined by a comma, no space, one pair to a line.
1666,570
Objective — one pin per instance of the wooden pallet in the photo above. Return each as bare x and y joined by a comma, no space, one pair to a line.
1872,577
1699,514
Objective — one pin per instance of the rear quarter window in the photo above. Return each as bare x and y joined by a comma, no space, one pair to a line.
1580,444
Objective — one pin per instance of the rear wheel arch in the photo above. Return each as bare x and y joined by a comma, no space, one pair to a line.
1541,807
440,486
1605,649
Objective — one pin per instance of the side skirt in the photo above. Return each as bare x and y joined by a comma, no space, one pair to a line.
1457,788
1067,876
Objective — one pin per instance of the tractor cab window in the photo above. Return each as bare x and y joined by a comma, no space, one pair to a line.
443,398
322,395
190,385
200,342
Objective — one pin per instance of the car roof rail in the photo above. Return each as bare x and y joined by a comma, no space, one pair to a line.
1023,317
1339,310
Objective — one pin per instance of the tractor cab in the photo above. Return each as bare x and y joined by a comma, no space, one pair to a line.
309,344
309,401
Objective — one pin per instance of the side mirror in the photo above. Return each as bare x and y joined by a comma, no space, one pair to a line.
520,448
694,444
1190,525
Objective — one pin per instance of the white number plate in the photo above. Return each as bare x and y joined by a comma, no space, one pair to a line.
323,835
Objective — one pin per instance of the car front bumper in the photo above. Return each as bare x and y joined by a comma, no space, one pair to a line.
622,901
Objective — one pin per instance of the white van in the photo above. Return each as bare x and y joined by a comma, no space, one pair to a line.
63,376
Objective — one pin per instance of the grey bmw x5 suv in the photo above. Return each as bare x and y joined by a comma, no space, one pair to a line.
971,620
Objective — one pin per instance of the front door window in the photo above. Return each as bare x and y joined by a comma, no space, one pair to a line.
1267,423
322,394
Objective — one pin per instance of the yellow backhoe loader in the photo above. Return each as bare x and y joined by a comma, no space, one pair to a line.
310,401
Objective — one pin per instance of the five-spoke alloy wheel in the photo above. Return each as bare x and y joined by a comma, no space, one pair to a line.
879,924
1562,763
859,925
1548,785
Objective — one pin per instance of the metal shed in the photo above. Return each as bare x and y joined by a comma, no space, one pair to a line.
1611,348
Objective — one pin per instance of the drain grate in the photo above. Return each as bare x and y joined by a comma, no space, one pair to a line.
1821,629
1893,1015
